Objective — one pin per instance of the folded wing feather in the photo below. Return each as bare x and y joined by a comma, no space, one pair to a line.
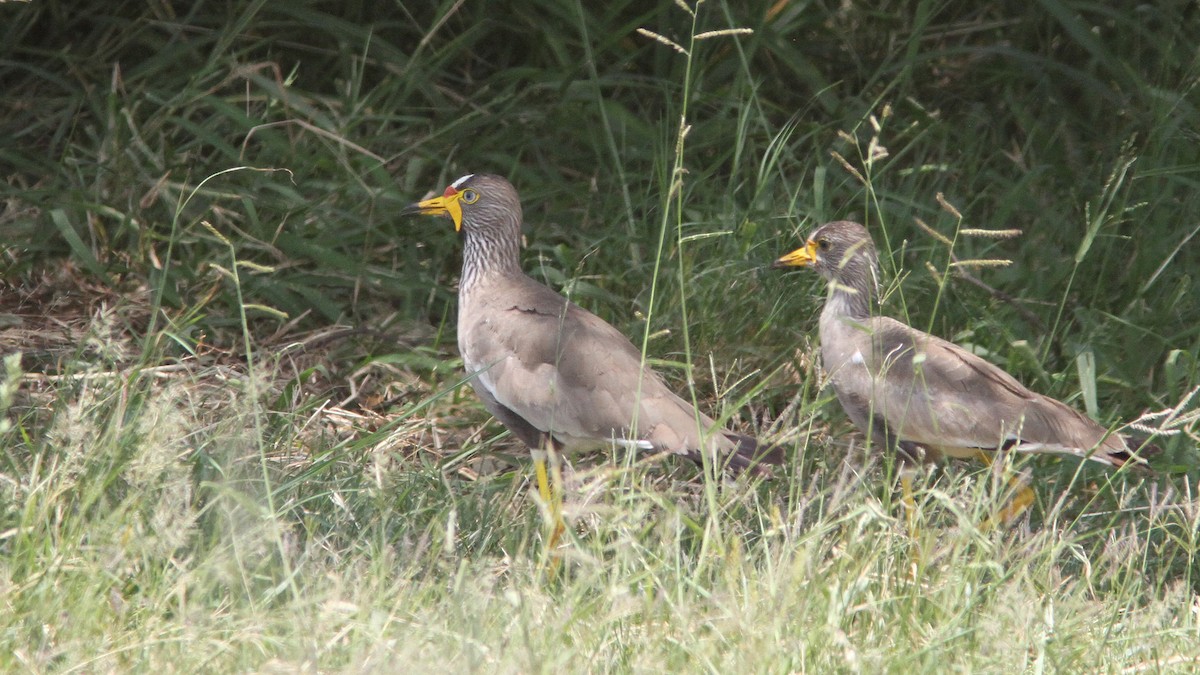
566,372
931,392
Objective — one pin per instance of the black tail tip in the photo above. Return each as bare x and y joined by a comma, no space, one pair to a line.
1139,452
749,454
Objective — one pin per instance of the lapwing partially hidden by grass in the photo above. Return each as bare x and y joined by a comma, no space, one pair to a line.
926,397
556,375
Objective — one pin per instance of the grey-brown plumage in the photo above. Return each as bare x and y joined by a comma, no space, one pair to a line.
923,394
548,369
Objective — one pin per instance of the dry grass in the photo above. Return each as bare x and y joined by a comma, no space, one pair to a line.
237,438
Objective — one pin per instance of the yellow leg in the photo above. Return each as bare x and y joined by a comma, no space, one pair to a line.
1017,505
549,484
910,503
1021,500
543,479
916,561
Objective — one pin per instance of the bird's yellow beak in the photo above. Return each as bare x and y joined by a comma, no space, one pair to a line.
801,257
446,205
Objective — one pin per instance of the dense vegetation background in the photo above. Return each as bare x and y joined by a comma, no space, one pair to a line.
235,437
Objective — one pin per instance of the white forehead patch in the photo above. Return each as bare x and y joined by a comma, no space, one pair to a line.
458,183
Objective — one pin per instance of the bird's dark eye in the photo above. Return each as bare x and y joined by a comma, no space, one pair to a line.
470,196
823,244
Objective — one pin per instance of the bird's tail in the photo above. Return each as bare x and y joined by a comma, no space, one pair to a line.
1136,453
750,455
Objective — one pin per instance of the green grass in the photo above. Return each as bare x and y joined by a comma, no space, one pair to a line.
237,437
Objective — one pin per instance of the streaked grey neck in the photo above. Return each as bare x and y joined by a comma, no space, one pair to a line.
490,251
853,293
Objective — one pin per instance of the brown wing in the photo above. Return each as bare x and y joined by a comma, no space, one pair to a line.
567,372
931,392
